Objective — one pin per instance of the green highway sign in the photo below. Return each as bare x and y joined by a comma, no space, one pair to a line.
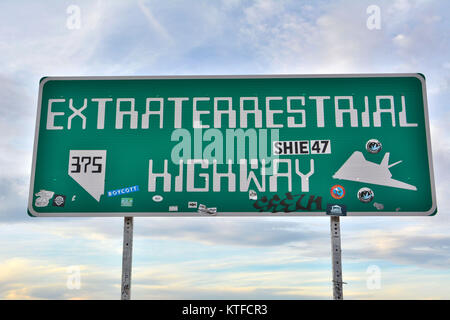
272,145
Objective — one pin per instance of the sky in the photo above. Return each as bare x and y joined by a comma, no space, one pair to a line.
225,258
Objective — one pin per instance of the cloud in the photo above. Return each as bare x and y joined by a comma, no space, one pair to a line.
153,22
230,231
405,246
31,279
22,278
217,258
244,232
251,277
16,128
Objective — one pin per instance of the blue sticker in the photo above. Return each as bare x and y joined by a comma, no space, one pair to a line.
119,192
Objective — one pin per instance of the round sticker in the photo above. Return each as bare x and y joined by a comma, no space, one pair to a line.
157,198
59,200
365,195
337,191
373,146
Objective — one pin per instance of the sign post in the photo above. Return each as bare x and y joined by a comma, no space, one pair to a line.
336,258
127,257
268,145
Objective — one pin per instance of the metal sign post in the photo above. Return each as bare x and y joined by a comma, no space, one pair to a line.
336,257
127,257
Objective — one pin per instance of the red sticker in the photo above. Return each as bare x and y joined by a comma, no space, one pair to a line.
337,191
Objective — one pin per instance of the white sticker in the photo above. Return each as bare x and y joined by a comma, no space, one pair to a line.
379,206
252,195
300,147
192,204
157,198
173,208
320,147
87,168
43,198
290,147
203,209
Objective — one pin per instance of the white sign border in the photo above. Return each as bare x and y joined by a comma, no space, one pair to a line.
419,76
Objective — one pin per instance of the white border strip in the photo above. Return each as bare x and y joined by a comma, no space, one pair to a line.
233,214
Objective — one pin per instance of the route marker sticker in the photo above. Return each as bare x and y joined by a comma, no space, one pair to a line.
87,168
273,145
